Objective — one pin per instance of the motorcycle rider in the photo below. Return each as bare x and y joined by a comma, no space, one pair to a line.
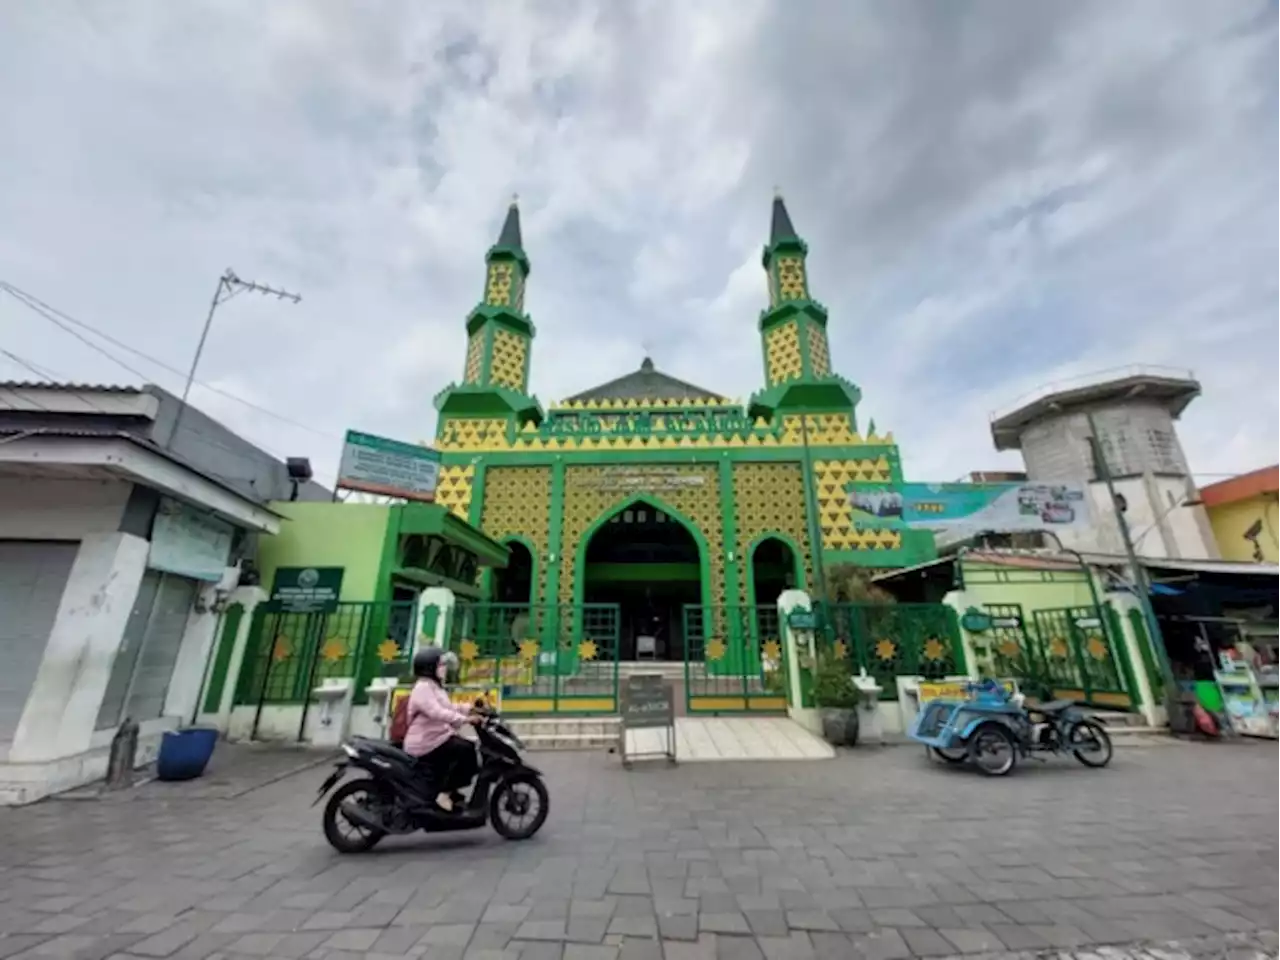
433,721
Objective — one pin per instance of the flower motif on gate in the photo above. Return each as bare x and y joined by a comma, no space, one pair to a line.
715,650
1008,648
840,649
1097,649
1057,648
886,649
468,651
334,649
934,649
388,650
587,650
280,651
529,650
771,650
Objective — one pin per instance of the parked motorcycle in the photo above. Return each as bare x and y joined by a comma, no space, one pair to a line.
992,728
396,799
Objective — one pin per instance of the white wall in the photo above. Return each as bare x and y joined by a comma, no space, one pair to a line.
62,709
33,509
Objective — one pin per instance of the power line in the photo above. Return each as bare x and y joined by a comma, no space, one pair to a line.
34,303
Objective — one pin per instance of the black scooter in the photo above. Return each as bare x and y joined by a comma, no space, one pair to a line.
394,799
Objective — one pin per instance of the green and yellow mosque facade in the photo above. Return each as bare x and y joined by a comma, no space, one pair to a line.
656,494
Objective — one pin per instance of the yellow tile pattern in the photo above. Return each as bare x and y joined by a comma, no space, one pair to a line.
453,490
819,355
782,353
508,360
790,279
475,357
835,513
517,500
770,497
498,288
480,433
584,503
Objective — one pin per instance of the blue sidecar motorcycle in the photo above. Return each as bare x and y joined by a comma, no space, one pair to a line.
993,727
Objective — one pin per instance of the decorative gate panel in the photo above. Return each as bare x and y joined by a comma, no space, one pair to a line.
733,659
896,639
545,658
1082,659
1011,650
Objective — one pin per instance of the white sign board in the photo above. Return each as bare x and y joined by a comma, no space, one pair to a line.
188,543
388,467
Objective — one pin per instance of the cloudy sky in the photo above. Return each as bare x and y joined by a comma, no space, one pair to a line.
996,195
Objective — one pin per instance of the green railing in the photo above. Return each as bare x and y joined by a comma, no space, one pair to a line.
893,640
289,654
1084,659
733,659
543,658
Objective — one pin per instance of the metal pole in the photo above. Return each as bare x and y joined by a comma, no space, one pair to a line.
1139,572
229,284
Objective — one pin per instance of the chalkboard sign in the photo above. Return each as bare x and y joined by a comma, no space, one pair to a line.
648,703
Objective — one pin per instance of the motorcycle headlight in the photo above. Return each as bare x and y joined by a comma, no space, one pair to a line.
349,750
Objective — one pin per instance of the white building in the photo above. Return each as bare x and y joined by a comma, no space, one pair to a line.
1134,410
116,553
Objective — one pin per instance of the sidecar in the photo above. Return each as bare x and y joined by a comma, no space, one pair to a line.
988,728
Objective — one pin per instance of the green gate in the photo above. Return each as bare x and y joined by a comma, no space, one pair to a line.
287,655
733,660
544,658
1083,660
1008,649
890,640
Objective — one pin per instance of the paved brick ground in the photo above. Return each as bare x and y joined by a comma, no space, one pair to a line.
876,854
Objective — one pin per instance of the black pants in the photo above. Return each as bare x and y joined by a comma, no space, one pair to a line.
452,765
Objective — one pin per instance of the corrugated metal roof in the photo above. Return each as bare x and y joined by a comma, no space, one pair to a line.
13,434
46,385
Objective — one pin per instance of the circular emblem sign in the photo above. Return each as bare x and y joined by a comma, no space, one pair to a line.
307,579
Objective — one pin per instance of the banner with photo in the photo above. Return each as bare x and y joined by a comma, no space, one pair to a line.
970,508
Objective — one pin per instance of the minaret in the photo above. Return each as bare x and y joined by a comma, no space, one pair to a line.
495,378
499,332
793,330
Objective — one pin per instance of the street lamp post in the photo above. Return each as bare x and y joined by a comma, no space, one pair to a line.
228,286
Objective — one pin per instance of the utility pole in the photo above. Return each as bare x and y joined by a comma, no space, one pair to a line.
1140,579
228,286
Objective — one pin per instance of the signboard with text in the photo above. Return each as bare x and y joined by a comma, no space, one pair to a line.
964,509
189,543
307,589
391,468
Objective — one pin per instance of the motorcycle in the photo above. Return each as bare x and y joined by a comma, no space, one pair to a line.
993,728
396,799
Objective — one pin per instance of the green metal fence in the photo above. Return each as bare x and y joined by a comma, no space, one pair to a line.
289,654
893,640
1084,659
733,659
543,658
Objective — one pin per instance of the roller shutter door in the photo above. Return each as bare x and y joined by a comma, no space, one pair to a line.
33,576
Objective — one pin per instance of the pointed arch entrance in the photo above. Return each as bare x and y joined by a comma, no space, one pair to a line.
650,561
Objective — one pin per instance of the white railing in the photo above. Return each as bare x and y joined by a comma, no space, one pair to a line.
1096,378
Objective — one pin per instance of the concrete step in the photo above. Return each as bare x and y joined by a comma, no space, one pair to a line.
669,670
1118,719
566,733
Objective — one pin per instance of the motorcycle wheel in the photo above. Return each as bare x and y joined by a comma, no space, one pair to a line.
514,797
993,751
362,793
1090,744
951,754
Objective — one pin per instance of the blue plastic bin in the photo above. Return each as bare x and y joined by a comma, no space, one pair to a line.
185,753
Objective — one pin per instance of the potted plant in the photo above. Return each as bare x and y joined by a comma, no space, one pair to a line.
837,700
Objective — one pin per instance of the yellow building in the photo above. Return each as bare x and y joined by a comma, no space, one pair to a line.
1243,513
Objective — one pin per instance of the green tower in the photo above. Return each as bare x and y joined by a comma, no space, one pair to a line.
793,333
495,378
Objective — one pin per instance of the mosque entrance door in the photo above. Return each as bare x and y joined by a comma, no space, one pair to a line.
644,560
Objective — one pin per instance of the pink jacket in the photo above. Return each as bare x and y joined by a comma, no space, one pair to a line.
432,718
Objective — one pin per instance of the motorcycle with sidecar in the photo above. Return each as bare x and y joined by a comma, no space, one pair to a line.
993,727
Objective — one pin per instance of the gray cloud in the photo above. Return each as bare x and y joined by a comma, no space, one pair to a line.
996,194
